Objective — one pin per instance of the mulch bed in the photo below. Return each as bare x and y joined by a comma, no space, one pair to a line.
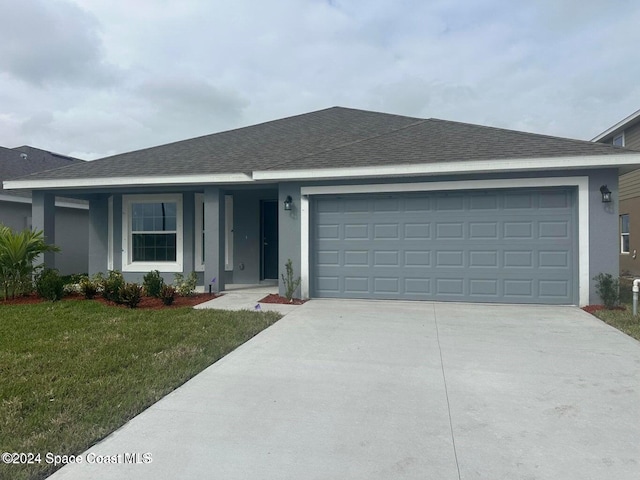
147,303
275,298
595,308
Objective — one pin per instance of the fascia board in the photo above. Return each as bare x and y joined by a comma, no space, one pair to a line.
618,126
126,181
59,203
443,168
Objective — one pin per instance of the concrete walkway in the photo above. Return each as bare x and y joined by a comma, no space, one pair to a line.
247,297
399,390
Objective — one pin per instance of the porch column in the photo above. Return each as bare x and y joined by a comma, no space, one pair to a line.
43,217
188,239
99,229
214,238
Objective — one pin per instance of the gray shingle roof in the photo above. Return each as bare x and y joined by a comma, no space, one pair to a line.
330,138
14,165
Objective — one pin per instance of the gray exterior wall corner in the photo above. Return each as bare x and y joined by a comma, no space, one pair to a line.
43,218
214,238
98,233
289,233
603,231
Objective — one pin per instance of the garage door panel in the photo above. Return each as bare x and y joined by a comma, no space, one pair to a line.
355,231
418,231
386,231
417,258
483,287
505,246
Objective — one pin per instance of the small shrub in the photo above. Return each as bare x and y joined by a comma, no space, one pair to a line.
290,284
153,283
167,294
131,294
185,287
88,287
112,286
50,285
608,288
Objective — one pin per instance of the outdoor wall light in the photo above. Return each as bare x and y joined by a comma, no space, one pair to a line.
606,194
288,202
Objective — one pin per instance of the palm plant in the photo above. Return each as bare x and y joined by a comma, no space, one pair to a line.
18,251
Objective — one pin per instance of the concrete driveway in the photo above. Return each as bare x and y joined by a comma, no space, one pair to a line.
399,390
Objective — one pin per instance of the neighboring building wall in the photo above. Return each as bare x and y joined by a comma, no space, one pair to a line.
632,137
630,205
71,233
72,236
14,215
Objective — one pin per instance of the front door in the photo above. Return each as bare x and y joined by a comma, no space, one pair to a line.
269,237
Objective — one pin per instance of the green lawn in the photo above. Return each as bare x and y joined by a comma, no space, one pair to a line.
623,320
71,372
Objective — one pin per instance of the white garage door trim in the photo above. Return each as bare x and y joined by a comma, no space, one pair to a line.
582,183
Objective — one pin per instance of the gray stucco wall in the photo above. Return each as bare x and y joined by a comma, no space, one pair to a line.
71,233
16,216
246,233
604,244
72,236
289,229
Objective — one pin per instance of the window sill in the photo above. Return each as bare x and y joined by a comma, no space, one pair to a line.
174,267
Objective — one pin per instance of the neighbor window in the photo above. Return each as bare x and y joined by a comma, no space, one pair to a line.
624,233
152,232
618,140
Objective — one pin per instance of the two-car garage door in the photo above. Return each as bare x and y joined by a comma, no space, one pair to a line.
511,246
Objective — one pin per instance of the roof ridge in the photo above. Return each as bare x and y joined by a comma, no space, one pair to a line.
354,142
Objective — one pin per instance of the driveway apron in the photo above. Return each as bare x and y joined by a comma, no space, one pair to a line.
370,390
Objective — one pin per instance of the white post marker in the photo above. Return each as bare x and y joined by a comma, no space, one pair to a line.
635,291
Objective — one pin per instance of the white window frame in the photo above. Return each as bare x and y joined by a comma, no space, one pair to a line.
199,231
127,251
624,234
619,136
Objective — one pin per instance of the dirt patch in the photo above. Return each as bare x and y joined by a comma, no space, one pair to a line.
147,303
275,298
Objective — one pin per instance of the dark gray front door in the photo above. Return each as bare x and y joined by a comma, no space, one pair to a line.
510,246
269,234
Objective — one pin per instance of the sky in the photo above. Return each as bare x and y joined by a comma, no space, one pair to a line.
92,78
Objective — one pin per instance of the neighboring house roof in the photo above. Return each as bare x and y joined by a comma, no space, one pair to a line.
342,141
21,161
619,127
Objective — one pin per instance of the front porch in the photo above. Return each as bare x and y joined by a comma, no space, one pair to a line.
234,235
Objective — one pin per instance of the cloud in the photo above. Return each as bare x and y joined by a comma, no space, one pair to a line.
44,41
104,77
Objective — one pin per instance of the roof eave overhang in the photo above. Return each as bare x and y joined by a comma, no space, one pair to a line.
618,127
98,182
628,161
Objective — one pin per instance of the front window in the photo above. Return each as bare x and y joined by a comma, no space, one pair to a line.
624,233
152,232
